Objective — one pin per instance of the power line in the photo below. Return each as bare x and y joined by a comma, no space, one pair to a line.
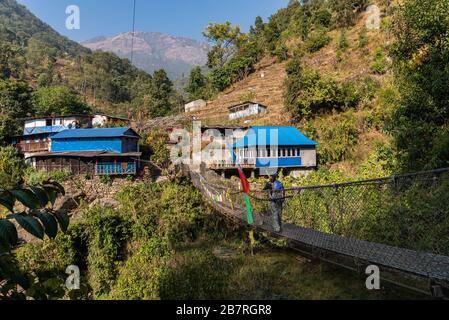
134,30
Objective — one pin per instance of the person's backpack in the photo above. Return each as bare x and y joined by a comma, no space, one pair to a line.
278,190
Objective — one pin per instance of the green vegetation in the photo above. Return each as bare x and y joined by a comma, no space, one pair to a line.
15,103
317,40
11,168
197,85
419,124
379,64
57,100
162,242
406,215
363,37
343,43
347,11
308,93
70,78
226,40
38,219
33,177
160,93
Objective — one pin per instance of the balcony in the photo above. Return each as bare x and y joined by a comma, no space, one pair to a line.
41,146
111,169
222,165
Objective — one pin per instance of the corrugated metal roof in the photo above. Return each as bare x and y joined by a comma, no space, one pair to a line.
275,135
42,130
96,133
246,103
86,154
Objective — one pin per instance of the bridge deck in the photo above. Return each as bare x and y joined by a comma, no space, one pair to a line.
427,265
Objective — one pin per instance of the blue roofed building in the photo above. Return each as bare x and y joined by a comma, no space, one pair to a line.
37,132
267,149
99,151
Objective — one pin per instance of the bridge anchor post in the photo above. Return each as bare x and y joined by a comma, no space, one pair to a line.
439,290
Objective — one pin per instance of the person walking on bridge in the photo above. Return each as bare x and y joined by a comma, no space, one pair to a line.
276,194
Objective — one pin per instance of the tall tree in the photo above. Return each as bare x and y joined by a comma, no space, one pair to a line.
420,125
226,40
161,91
347,11
15,103
196,85
258,28
58,100
12,62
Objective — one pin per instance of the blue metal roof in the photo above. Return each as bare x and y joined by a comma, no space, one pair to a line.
274,136
96,133
42,130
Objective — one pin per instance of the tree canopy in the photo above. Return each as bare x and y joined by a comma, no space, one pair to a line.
226,40
58,100
196,85
421,59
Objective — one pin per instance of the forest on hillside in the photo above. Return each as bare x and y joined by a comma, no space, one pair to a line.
160,240
44,73
379,92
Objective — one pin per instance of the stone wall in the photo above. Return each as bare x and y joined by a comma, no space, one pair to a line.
95,191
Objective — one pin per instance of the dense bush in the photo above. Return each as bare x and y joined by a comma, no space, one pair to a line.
197,275
363,37
235,69
347,11
34,177
338,137
11,168
15,103
421,66
317,39
58,100
307,93
379,64
343,43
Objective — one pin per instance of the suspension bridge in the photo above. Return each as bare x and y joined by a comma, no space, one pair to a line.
331,224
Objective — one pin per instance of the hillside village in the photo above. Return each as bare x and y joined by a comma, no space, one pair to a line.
346,108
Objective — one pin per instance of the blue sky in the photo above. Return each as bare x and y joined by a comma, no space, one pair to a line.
177,17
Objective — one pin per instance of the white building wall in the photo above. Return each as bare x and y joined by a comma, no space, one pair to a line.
309,157
99,120
195,105
253,109
65,122
35,123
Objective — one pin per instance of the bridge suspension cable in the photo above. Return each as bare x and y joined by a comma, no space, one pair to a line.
332,222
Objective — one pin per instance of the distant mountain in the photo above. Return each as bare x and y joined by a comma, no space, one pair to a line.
18,20
153,51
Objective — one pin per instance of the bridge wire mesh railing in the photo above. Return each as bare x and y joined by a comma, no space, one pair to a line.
407,211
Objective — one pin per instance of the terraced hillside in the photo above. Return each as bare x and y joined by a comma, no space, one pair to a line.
265,86
353,58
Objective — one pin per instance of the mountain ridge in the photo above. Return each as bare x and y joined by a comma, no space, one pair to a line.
154,50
